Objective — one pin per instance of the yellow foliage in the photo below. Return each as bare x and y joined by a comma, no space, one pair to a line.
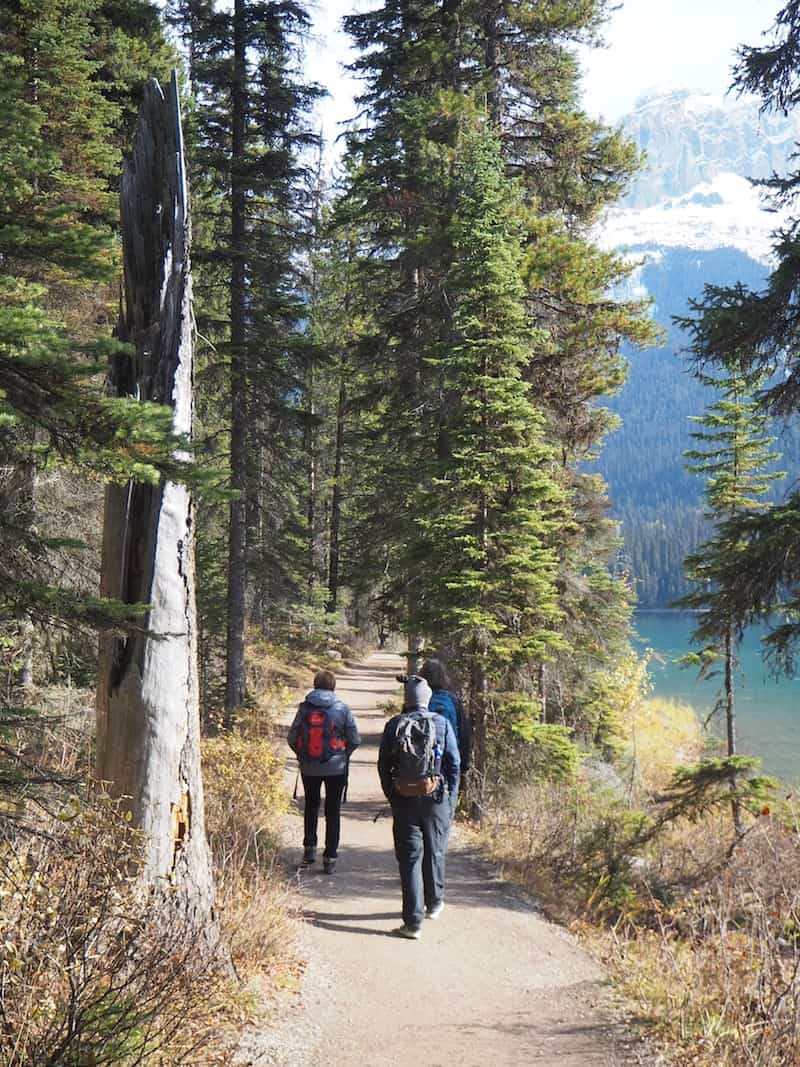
661,734
245,798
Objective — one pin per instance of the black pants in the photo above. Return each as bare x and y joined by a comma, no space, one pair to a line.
334,788
421,827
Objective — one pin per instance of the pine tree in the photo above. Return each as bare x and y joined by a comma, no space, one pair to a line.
425,65
252,222
734,456
483,562
739,328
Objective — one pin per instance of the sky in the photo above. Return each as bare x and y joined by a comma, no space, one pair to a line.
650,44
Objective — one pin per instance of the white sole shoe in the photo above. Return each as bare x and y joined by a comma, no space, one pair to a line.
407,932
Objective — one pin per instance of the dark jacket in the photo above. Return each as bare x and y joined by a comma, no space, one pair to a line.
451,761
344,725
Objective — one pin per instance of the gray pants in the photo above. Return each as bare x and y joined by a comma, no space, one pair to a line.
421,828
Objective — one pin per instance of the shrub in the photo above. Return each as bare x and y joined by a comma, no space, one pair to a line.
90,971
246,803
523,749
658,735
245,799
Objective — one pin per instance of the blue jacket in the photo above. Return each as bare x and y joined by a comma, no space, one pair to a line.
451,761
344,724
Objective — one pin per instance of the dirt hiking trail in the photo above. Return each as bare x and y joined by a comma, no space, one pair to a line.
490,982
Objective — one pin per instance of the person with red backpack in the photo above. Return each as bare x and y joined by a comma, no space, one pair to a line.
323,736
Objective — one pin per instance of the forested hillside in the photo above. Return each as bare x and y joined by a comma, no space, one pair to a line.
690,220
659,503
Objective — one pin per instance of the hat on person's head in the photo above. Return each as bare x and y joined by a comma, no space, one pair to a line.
418,693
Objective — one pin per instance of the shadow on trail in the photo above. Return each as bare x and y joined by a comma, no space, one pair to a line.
371,874
349,928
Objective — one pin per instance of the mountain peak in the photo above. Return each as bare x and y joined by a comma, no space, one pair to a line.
689,137
667,94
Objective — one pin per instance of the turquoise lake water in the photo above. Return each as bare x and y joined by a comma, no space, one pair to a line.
768,710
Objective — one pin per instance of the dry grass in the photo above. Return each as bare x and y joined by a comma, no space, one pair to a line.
703,938
245,803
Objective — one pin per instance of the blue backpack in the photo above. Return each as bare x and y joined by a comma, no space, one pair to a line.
443,704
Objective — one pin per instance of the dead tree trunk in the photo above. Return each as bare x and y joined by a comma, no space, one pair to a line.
148,721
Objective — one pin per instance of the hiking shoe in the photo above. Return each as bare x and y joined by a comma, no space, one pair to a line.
407,932
435,910
329,864
309,856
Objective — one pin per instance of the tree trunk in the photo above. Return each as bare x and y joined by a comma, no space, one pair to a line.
479,693
493,95
730,722
479,683
237,544
148,720
336,501
311,499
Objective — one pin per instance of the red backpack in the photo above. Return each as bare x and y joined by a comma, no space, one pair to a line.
318,739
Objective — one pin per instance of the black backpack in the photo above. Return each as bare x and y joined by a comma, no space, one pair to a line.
416,755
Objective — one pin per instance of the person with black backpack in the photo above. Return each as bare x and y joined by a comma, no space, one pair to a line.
418,765
323,736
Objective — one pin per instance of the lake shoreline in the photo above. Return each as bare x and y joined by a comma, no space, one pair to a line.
768,723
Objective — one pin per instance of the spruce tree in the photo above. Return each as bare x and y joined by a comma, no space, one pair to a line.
733,453
252,203
756,331
425,65
482,560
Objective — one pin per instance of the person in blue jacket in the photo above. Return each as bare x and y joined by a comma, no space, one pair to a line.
447,702
323,736
421,824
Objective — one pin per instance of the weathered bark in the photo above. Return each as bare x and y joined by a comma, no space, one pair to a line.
148,722
237,543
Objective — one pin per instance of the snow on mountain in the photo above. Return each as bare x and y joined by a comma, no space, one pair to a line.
693,191
726,212
690,137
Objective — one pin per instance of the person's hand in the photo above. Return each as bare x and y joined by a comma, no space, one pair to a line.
402,678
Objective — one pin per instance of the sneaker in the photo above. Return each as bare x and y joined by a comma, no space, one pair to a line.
329,864
435,910
407,932
309,856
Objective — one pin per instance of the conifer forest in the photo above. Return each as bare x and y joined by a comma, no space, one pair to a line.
269,404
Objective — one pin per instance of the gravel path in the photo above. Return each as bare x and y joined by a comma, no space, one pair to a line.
490,981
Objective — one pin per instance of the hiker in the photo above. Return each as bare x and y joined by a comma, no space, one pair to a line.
448,703
323,736
418,764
